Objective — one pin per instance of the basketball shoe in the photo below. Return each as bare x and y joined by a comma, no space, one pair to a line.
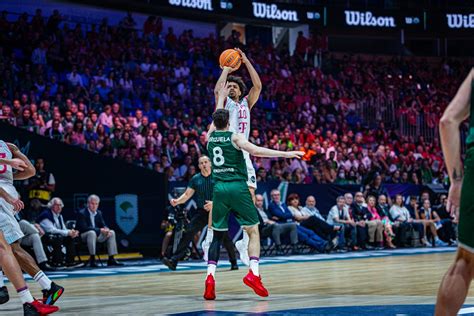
36,308
242,248
53,294
4,297
255,282
210,288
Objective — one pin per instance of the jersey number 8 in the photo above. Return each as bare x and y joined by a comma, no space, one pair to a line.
218,158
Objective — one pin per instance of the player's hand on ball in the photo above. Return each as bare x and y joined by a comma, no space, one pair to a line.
229,69
242,54
295,154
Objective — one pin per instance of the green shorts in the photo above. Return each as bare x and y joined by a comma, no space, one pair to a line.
232,197
466,211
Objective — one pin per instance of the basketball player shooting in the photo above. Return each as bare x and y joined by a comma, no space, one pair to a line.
455,285
239,106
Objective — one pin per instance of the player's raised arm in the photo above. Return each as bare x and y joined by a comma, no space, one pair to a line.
254,92
456,112
29,171
222,93
222,80
241,142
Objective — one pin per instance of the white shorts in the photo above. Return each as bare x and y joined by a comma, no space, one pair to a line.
8,223
252,176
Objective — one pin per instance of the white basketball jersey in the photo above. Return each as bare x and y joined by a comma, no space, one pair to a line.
239,116
6,171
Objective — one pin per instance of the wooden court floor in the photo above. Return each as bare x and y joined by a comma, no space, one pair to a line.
393,280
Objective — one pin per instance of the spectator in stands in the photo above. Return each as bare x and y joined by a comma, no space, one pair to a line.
32,238
419,217
136,78
373,223
435,223
93,229
42,184
339,216
383,208
358,216
401,215
57,235
280,213
449,222
310,217
385,221
269,227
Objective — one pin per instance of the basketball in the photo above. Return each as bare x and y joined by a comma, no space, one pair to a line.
230,58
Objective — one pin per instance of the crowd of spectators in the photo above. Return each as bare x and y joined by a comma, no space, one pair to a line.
359,222
145,96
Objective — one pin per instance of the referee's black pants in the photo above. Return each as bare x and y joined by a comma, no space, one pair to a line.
197,223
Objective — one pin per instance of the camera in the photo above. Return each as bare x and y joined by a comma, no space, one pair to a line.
177,214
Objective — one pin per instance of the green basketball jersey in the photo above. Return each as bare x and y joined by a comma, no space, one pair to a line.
470,137
228,163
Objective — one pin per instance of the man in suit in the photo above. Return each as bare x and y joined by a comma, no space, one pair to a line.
93,229
57,235
269,227
281,214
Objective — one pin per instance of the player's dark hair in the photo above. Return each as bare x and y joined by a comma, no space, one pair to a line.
240,83
221,118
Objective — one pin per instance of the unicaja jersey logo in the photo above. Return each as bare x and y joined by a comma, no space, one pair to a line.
126,212
458,21
271,11
358,18
194,4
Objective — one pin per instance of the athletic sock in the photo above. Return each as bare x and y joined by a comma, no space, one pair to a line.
211,268
209,235
2,283
25,295
43,280
254,265
245,238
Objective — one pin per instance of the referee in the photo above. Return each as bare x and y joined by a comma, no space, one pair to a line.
200,185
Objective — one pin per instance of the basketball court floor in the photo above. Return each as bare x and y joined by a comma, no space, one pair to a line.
399,282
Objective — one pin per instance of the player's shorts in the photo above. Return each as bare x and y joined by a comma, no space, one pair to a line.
252,176
232,196
466,211
8,223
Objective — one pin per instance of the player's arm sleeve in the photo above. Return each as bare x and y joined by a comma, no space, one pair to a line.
256,151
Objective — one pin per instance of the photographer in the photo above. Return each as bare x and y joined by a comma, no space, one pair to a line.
201,185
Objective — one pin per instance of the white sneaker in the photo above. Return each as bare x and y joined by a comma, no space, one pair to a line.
440,243
243,252
205,248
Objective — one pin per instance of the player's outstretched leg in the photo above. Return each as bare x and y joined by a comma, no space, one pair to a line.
214,251
242,245
253,279
455,285
209,235
51,291
14,274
